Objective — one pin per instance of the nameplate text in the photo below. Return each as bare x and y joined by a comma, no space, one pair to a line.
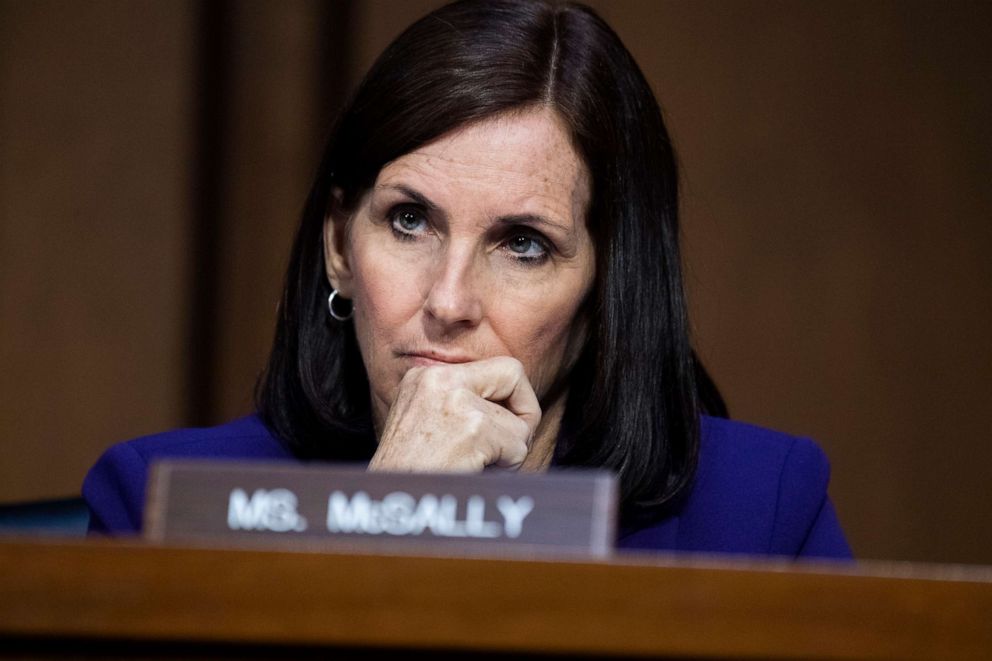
253,503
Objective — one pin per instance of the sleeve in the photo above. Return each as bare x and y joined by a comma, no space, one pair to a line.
114,491
806,525
825,538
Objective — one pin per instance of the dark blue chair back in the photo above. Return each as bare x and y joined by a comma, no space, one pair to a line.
62,517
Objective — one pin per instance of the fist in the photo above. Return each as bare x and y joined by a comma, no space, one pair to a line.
459,418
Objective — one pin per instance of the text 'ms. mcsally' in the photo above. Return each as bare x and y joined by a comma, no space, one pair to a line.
280,504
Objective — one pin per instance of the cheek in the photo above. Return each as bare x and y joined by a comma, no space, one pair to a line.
376,299
384,284
386,300
542,334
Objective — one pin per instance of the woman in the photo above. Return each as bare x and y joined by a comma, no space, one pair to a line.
487,275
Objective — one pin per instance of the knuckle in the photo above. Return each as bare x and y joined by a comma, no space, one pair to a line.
513,452
413,375
475,420
481,456
435,375
514,366
460,398
521,430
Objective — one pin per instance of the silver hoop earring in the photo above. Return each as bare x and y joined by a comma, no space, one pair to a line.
334,313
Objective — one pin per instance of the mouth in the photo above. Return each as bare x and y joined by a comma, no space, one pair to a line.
429,357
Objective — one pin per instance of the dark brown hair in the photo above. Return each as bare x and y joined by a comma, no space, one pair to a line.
633,404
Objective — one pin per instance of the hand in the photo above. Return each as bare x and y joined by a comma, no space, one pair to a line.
460,417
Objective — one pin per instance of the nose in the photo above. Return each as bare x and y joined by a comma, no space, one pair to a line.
453,299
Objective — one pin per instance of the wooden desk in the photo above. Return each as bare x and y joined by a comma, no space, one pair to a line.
111,599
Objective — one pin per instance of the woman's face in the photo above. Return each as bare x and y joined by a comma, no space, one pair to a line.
471,247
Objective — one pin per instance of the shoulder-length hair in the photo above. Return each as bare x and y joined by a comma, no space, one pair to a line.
633,404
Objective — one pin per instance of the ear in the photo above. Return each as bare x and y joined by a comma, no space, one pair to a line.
336,257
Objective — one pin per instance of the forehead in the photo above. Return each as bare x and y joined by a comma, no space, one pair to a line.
522,157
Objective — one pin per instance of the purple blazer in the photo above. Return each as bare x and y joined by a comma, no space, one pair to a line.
756,492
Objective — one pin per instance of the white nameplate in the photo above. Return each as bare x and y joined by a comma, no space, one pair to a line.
565,511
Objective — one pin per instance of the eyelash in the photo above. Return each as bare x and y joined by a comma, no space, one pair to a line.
394,216
530,235
515,232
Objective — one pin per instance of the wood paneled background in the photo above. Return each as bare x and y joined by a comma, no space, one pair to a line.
154,157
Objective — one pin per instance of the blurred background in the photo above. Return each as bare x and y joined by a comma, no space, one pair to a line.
837,159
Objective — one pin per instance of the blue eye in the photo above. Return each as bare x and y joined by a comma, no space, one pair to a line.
408,222
527,248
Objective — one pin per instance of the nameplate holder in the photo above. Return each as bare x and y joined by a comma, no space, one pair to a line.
562,512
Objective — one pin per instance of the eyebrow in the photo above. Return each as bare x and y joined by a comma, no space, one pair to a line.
512,219
414,195
532,219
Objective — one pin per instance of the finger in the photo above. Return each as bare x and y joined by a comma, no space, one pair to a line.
507,435
502,380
